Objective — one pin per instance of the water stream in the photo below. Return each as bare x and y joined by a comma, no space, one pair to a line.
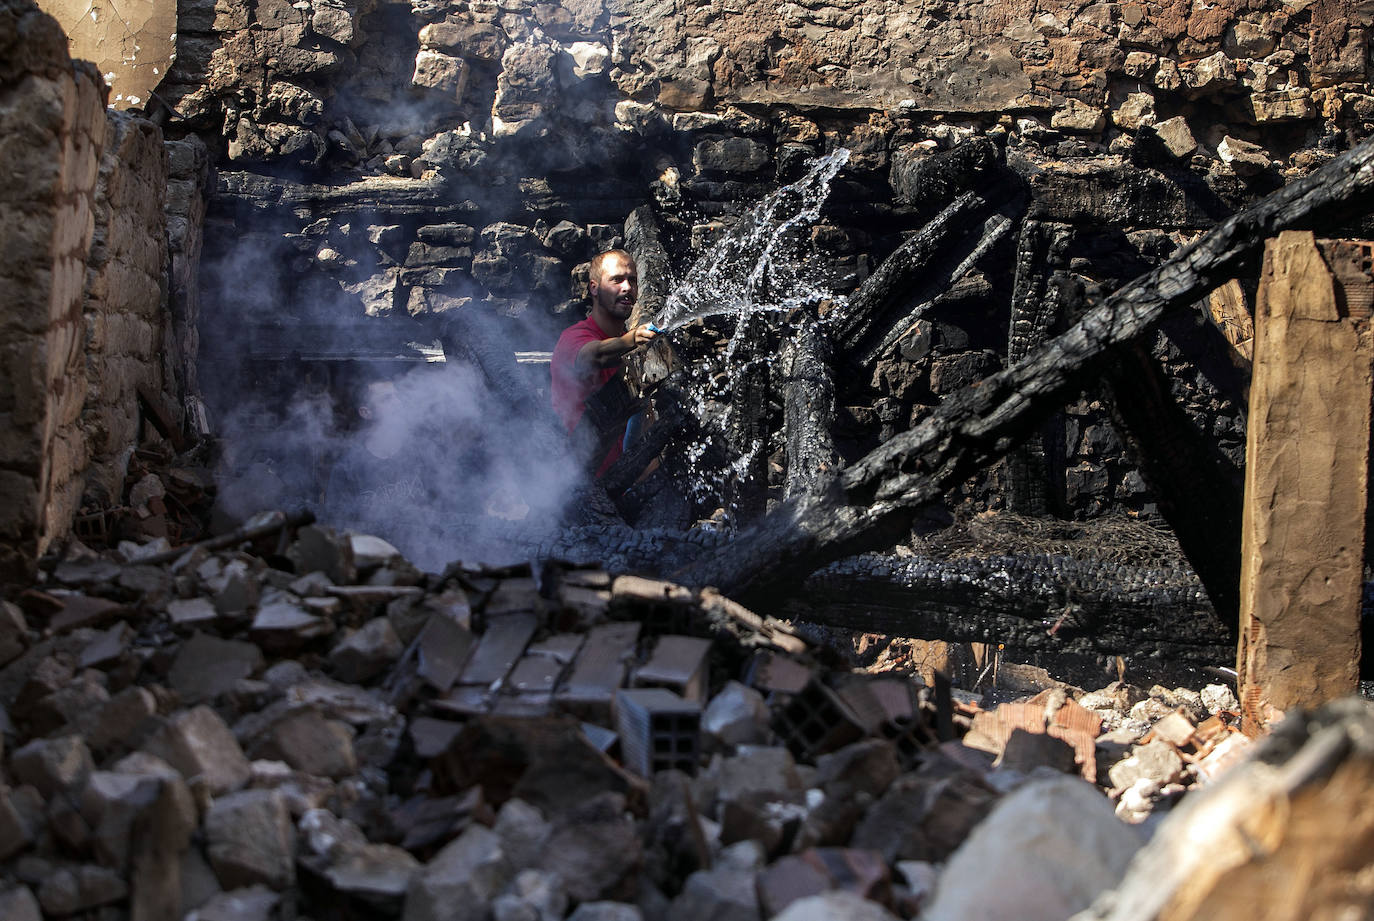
761,264
744,286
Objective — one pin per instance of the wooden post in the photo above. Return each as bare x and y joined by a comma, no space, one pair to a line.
1307,458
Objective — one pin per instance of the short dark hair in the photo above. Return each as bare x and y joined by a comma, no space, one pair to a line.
594,267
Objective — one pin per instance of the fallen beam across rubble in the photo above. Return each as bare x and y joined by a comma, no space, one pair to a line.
874,499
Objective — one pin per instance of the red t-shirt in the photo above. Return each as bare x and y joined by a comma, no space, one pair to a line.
570,389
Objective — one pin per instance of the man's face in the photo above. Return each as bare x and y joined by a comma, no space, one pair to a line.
616,288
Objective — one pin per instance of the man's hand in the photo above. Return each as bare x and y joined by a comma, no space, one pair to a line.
640,335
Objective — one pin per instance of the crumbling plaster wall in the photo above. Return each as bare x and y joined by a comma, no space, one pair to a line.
86,327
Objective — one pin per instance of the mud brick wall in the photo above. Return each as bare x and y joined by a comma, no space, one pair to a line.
87,320
52,131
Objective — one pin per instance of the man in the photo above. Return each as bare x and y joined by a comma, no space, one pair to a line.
588,354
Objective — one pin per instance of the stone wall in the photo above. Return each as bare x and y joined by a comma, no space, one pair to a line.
388,163
52,130
87,335
126,298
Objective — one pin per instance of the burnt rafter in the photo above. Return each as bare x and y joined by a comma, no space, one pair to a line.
877,495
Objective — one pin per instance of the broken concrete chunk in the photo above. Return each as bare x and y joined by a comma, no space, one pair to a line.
924,818
835,906
207,666
678,663
310,743
13,634
319,549
532,896
199,744
375,875
1158,761
51,766
1056,838
16,832
71,889
722,894
595,849
284,624
868,767
19,904
1218,697
461,880
191,612
83,611
370,551
524,832
255,903
107,647
1176,136
1244,158
366,652
606,911
787,879
250,840
737,715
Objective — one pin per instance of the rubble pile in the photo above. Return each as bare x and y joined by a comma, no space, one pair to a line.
307,726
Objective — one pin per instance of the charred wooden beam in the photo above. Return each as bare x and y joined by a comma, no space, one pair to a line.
875,498
924,181
1198,489
1042,602
975,245
671,423
1034,477
644,238
809,412
867,316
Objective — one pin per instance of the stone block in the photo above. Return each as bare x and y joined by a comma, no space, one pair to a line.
366,652
51,766
207,666
459,882
606,911
737,715
69,890
1176,137
438,71
19,904
311,744
721,894
1244,158
1056,838
15,831
198,743
249,839
1157,761
835,906
731,155
595,849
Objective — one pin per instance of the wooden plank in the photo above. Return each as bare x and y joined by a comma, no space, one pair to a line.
1307,459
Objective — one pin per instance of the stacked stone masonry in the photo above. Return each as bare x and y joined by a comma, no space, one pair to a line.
85,277
406,162
490,148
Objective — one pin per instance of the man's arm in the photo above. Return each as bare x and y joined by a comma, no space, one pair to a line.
605,353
